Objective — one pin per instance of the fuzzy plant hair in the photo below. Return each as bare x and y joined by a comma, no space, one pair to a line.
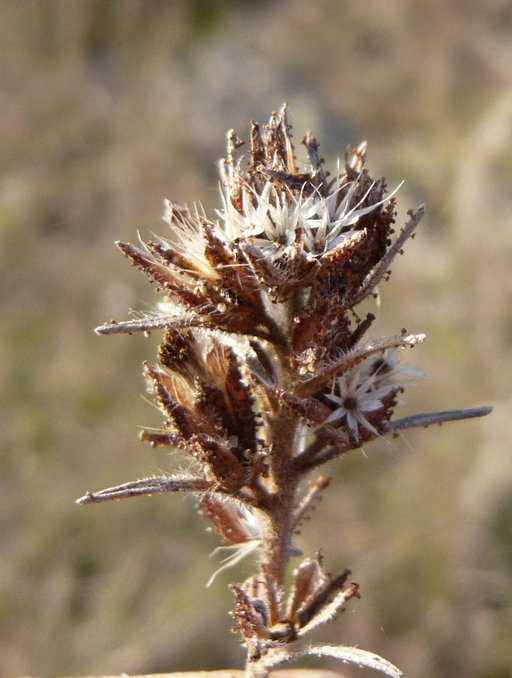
266,371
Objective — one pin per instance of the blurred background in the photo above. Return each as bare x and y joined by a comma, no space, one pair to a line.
107,108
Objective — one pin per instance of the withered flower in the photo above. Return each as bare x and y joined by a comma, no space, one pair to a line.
264,371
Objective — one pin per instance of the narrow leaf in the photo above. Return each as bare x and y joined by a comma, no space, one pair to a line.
147,324
153,485
381,270
352,655
323,610
355,655
429,418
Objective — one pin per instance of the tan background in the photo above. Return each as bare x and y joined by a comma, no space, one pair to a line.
107,107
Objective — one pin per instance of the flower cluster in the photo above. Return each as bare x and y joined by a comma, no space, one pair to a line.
265,370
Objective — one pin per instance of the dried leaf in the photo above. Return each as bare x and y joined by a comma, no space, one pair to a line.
307,580
348,655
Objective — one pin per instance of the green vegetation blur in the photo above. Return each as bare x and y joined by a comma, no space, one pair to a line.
107,108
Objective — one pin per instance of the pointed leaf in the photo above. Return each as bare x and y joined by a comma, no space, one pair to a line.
430,418
153,485
348,655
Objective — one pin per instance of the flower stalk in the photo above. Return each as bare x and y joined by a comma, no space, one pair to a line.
265,370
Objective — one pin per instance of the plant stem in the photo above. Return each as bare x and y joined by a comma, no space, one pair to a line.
255,670
282,434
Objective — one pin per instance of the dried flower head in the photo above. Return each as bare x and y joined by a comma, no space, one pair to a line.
265,373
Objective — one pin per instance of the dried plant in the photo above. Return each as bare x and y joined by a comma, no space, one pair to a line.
264,374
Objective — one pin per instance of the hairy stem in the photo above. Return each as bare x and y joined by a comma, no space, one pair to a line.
280,504
255,670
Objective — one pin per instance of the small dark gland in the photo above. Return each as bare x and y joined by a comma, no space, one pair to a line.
350,403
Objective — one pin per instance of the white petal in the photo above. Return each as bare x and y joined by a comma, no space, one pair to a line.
352,420
337,414
335,399
370,405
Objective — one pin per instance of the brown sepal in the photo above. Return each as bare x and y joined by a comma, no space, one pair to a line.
310,409
156,271
321,324
240,403
221,462
334,263
317,163
230,264
321,598
248,621
305,326
210,406
276,150
179,417
257,146
177,262
223,519
307,581
274,281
